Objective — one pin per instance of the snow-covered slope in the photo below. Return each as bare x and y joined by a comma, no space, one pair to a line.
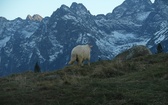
49,41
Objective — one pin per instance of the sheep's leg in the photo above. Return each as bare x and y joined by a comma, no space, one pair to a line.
80,63
73,59
71,62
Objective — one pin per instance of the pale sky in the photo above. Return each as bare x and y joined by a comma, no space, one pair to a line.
12,9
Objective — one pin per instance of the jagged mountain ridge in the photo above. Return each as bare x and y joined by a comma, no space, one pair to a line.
50,41
35,17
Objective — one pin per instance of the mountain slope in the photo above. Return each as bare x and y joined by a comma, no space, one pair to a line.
142,80
14,36
159,22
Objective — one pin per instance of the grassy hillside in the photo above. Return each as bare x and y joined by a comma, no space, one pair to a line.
139,81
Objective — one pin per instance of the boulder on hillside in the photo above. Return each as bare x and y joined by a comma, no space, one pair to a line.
133,52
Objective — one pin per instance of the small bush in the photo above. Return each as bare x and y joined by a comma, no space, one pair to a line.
37,68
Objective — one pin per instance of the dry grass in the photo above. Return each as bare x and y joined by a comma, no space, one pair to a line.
140,81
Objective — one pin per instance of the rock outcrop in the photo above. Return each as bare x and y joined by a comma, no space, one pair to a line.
133,52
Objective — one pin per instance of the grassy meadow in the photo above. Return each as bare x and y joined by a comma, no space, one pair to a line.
139,81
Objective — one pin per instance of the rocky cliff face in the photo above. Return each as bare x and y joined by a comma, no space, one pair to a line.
50,40
158,22
14,49
35,17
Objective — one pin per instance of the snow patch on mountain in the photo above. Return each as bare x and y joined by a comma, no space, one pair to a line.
4,41
142,16
159,38
41,58
27,34
53,57
32,44
68,17
83,38
119,41
161,35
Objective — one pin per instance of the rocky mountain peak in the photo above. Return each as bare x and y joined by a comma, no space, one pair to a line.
64,7
2,18
35,17
130,7
79,8
160,1
75,9
61,11
139,1
162,7
29,17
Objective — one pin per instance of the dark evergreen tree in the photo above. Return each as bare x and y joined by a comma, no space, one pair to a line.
37,68
159,48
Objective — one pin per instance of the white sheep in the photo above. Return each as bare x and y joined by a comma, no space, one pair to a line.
80,53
